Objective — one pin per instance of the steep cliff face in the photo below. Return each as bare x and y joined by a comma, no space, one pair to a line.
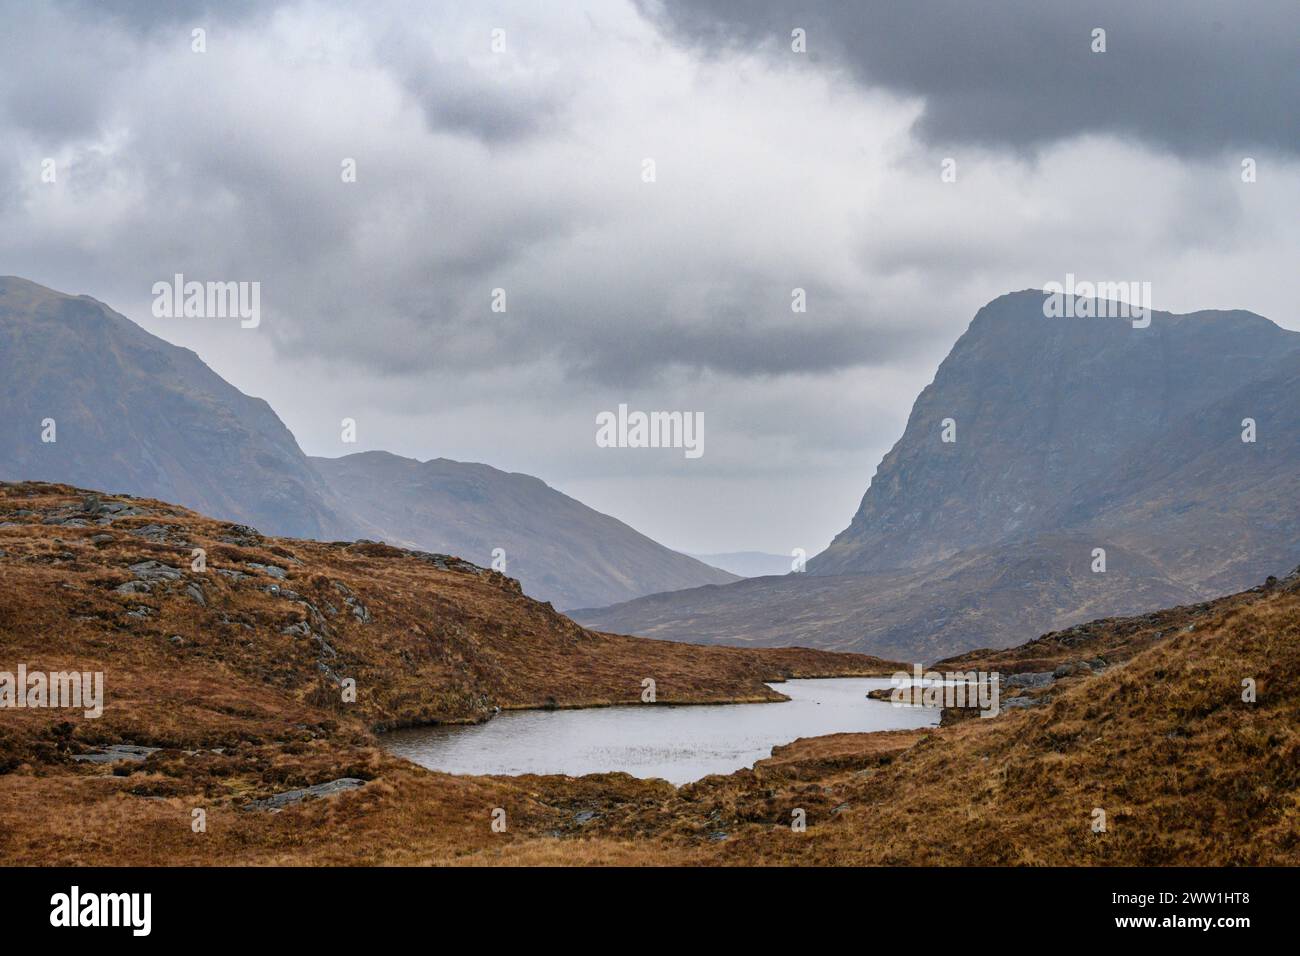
1044,411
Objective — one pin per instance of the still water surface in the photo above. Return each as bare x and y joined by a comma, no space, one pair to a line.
679,744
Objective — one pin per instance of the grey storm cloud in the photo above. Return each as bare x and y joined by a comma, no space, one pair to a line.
1190,76
495,113
522,171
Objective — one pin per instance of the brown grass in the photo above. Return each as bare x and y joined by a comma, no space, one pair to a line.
1186,771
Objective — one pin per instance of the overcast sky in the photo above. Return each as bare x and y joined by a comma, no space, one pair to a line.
522,169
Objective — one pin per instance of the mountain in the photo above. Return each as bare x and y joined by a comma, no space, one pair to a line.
133,413
1045,409
748,564
1071,435
559,549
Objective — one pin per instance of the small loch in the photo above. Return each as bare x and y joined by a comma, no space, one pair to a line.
678,744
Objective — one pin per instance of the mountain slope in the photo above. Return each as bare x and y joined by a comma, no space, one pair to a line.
1215,511
1045,409
984,597
559,549
136,414
1072,434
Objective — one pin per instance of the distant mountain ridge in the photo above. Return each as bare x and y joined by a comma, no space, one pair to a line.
135,414
1071,435
749,564
560,549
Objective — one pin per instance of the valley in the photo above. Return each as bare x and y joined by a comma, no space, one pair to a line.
1072,434
196,440
231,705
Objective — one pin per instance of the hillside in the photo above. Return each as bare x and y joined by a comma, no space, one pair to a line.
238,693
262,640
138,415
559,549
1158,737
982,597
1215,511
